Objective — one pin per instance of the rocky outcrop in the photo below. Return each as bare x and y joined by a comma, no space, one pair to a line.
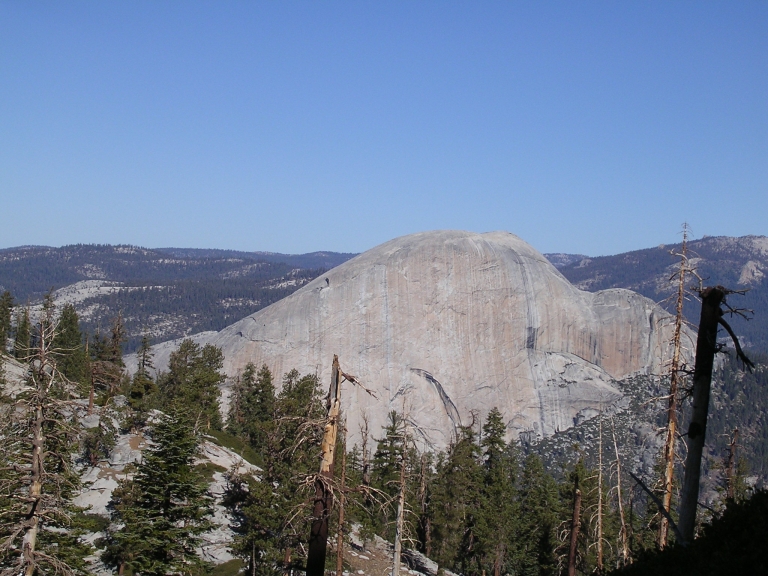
446,325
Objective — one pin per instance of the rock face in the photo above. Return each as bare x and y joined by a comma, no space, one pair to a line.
446,325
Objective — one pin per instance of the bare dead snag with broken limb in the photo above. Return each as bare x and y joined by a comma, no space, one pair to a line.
731,469
672,406
342,502
706,347
623,537
323,501
323,481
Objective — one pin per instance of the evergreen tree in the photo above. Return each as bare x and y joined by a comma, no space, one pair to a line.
73,361
23,336
142,385
145,356
6,307
540,513
107,366
394,450
164,508
455,502
192,381
116,340
390,450
270,524
252,411
498,517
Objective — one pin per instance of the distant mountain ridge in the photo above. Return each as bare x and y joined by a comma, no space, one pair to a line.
736,263
166,293
310,260
181,286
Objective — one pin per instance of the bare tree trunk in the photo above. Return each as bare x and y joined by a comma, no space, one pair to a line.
623,530
575,524
669,445
366,455
426,525
706,346
91,392
287,570
400,520
342,502
732,465
29,542
318,536
600,499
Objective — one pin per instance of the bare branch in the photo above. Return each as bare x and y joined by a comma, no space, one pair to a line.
739,352
660,506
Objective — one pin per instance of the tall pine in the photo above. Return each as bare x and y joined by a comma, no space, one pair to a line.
73,361
498,519
6,328
192,382
163,510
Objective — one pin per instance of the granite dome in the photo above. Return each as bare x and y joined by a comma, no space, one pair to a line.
448,324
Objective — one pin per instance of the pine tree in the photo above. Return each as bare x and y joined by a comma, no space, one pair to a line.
23,335
455,503
192,381
73,361
252,411
498,518
117,338
142,385
270,514
540,513
390,449
6,308
164,508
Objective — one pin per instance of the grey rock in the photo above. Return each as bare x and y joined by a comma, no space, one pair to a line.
90,421
446,325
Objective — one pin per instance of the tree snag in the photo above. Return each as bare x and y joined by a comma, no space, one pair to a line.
706,347
399,525
575,524
323,501
342,502
672,406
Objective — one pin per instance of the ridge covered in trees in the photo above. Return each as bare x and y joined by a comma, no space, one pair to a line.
166,292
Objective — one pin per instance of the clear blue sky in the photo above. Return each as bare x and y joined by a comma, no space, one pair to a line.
589,127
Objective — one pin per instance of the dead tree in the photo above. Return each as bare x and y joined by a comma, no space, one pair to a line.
672,405
400,522
706,347
342,502
323,501
623,539
575,525
36,447
600,500
731,468
323,481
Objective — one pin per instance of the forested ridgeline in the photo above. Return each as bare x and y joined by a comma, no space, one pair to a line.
482,506
165,293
